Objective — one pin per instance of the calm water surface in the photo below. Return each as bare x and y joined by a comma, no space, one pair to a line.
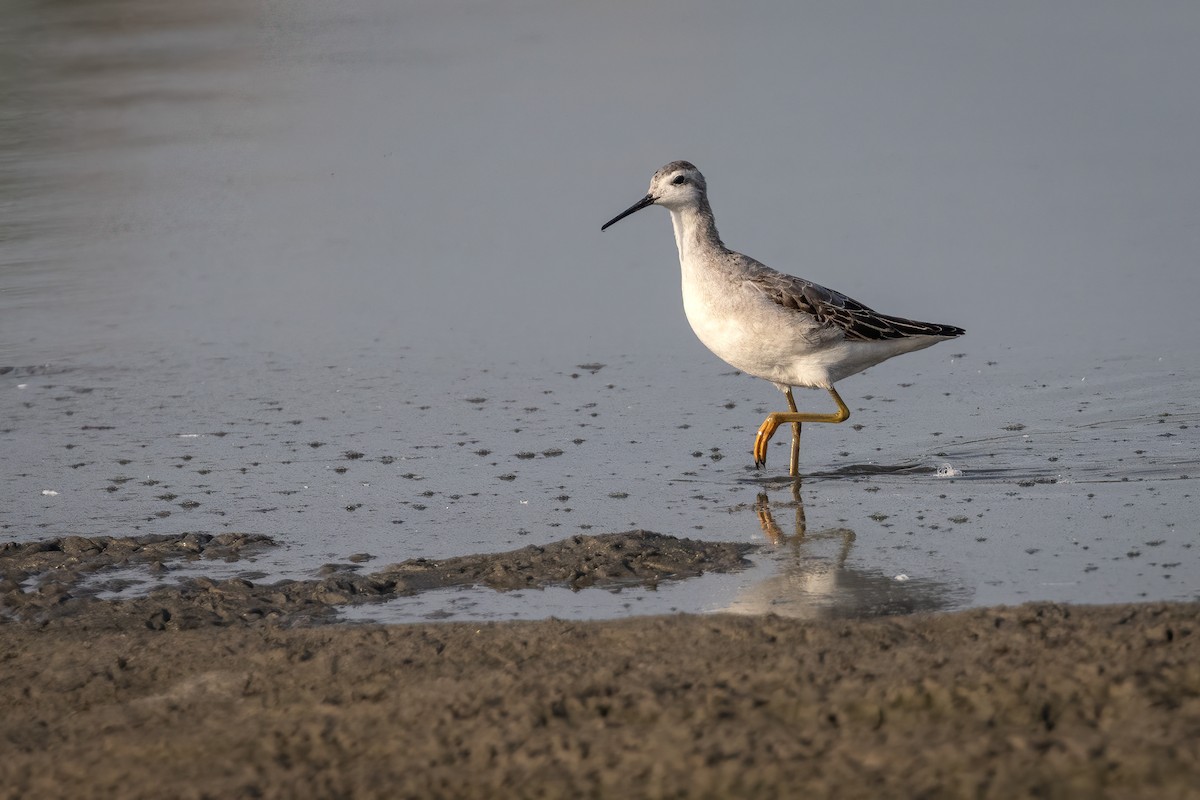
333,272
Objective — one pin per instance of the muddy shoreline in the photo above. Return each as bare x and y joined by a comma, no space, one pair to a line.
104,699
60,581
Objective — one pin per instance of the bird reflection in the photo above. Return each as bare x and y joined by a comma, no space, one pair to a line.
813,580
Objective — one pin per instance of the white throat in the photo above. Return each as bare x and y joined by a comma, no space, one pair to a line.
695,235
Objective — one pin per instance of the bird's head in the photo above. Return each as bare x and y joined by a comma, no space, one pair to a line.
675,186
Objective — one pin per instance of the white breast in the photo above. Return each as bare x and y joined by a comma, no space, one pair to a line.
748,331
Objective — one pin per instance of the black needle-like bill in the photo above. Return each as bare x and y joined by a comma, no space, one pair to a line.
648,200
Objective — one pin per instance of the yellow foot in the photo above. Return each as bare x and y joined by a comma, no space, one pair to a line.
763,437
777,418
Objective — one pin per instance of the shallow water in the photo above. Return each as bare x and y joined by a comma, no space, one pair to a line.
334,274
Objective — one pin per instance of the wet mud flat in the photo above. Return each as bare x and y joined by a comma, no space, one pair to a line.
111,699
59,581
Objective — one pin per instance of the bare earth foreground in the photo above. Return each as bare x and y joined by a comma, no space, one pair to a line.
198,691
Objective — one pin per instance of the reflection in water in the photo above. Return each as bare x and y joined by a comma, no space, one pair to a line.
247,221
814,580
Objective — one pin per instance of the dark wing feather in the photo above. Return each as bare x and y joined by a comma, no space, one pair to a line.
835,310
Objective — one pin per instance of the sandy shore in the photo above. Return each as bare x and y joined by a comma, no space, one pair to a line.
1042,700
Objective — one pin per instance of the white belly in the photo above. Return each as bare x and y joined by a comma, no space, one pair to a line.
751,333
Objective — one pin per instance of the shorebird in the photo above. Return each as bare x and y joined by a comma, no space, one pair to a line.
773,326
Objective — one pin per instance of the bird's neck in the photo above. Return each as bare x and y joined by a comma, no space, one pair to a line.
695,232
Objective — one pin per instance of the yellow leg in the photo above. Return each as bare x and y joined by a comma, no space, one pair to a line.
773,421
794,463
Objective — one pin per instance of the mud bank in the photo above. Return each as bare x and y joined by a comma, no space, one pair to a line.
57,581
1041,700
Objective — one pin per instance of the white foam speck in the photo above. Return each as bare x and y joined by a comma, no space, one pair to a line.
189,436
901,577
947,470
49,492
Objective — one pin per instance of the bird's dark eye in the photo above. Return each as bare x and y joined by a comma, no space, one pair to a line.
679,180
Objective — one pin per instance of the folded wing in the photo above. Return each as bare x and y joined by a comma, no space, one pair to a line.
835,310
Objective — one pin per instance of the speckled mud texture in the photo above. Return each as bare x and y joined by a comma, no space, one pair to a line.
46,582
1040,700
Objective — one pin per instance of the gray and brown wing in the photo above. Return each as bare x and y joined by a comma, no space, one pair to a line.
835,310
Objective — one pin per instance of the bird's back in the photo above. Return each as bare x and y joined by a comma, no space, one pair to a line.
790,330
834,310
